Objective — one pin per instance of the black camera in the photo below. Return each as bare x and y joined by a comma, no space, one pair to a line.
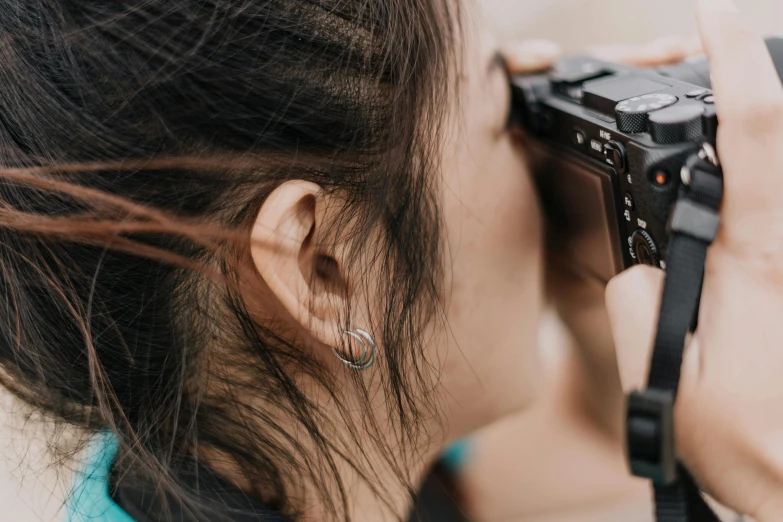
608,144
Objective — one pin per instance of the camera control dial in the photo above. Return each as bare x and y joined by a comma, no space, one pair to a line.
632,114
643,249
677,124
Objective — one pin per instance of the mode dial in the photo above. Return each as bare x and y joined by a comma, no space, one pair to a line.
632,114
677,124
644,248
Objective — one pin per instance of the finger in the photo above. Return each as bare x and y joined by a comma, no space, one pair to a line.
531,55
744,77
632,301
671,49
749,101
668,50
693,46
614,53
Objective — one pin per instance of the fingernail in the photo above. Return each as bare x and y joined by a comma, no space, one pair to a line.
729,6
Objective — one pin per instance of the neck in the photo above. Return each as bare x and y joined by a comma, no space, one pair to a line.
380,474
377,472
382,498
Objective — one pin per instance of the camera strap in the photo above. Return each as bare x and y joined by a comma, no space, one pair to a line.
650,430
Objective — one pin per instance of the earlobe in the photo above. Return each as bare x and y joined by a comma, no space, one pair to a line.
285,251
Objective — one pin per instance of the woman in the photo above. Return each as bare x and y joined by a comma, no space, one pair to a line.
281,251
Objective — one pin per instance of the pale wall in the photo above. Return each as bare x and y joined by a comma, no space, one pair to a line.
579,23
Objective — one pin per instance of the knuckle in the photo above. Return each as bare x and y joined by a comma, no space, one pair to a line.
647,276
759,118
741,33
735,34
630,282
775,112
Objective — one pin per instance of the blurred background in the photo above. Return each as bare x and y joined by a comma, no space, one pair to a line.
32,489
579,23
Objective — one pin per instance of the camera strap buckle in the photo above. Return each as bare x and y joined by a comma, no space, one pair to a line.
695,220
650,433
650,423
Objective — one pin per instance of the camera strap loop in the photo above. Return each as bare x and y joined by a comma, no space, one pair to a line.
650,430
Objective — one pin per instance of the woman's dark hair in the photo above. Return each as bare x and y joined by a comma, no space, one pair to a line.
138,140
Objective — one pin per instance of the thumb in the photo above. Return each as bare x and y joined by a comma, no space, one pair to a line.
633,300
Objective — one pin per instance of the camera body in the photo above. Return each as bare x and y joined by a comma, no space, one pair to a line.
607,144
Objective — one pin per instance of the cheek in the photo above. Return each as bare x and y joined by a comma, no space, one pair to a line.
494,280
492,215
493,287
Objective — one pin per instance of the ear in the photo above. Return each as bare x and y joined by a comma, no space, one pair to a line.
285,251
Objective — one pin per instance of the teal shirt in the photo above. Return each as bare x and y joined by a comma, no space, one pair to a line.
456,455
89,499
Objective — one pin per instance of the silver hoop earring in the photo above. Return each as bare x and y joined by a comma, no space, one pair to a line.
369,348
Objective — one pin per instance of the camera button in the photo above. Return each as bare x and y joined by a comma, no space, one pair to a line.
709,100
697,93
628,200
615,155
579,138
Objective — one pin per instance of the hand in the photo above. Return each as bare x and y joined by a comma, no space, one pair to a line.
536,55
664,51
580,302
729,411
